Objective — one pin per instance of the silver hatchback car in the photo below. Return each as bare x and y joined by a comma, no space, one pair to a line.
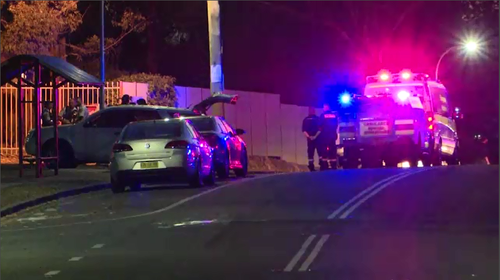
160,151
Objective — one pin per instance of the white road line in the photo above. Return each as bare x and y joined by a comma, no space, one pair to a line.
98,246
52,273
314,252
75,259
299,254
167,208
361,201
352,200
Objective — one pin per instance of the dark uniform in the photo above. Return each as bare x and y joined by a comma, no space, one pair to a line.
311,125
327,139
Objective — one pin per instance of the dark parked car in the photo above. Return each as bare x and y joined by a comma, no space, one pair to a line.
230,150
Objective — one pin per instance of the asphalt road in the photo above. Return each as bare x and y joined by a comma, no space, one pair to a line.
439,223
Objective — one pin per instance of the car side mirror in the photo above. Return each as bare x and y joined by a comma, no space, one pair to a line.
240,131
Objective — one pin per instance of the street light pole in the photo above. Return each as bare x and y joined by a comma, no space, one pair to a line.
216,74
441,58
102,70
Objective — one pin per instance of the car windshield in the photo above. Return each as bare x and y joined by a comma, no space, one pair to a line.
152,130
203,124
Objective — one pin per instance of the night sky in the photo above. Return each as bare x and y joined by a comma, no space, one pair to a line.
296,49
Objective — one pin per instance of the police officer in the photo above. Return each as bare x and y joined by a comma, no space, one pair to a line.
310,128
328,137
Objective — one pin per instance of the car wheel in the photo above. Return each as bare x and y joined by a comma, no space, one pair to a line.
117,186
454,160
135,187
66,155
437,157
350,163
209,180
243,171
196,180
222,168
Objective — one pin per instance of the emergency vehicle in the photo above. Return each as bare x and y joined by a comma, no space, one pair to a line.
399,117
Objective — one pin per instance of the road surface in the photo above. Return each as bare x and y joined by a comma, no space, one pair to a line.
424,223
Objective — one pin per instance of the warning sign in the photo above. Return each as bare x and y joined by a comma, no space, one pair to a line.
374,128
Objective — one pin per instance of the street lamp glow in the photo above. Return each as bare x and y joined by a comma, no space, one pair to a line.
471,46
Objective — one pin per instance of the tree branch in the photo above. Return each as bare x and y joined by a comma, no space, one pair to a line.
123,35
85,52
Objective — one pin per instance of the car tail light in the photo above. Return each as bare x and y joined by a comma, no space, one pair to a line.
117,148
177,145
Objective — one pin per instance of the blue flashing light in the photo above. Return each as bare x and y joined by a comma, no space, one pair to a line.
345,99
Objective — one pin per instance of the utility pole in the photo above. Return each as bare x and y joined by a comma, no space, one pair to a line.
216,74
102,92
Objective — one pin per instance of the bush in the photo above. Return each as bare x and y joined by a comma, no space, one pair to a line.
161,89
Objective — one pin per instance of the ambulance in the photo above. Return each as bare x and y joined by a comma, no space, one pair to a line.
402,117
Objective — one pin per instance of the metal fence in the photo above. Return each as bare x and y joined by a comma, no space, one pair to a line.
9,113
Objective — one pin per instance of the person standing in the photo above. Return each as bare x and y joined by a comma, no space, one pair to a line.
68,114
82,110
125,99
141,101
47,119
310,128
328,136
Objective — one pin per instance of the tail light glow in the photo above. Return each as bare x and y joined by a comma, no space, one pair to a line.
118,148
177,145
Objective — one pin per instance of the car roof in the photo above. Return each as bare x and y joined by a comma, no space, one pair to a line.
148,107
159,121
199,117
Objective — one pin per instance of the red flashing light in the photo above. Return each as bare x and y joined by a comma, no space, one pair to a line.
384,75
429,119
405,75
431,127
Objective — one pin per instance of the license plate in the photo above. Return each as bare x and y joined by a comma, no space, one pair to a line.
149,165
374,128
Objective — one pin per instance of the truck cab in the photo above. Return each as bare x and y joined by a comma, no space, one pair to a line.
397,119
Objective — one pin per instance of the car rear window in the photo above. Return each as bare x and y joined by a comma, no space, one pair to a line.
152,130
203,124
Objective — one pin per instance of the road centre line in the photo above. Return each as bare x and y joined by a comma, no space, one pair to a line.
352,200
299,254
75,259
167,208
314,253
98,246
379,189
52,273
